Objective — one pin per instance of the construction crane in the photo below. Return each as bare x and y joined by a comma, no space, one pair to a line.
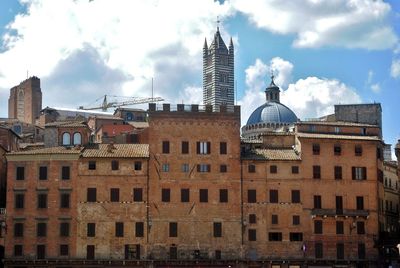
116,104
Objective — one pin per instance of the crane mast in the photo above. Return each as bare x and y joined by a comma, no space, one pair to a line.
115,104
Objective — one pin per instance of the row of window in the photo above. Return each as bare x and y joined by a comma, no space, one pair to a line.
340,250
185,168
165,195
65,173
202,147
41,250
76,139
358,173
337,149
137,165
359,225
339,203
41,229
42,200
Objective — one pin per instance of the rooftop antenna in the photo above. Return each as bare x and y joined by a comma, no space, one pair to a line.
152,88
218,21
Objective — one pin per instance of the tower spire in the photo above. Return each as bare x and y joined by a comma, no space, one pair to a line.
218,21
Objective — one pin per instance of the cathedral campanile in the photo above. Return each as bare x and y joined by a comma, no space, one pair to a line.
218,72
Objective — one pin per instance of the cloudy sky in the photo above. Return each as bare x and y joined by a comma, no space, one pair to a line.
323,52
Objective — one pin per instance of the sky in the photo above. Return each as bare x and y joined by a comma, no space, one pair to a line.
322,52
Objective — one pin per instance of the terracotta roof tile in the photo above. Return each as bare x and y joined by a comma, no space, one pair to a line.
50,150
118,151
70,124
336,123
273,154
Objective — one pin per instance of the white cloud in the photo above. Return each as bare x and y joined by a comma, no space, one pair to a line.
311,97
282,70
395,68
376,88
352,24
191,95
139,39
370,76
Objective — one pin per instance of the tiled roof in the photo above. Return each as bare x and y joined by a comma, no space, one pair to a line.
391,163
119,150
273,154
336,123
50,150
339,137
71,124
252,141
139,124
113,130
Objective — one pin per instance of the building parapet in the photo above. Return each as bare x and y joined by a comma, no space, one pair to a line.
166,107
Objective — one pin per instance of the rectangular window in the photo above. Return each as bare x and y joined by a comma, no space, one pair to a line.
296,220
338,172
318,227
274,219
91,229
203,195
218,254
251,168
295,169
173,253
165,195
251,196
173,229
19,200
203,168
273,196
185,168
223,148
275,236
361,250
273,169
360,203
139,229
41,229
91,195
217,229
43,173
185,147
20,173
359,173
138,165
114,165
223,195
203,147
92,165
119,229
137,194
18,250
358,150
41,251
252,218
165,147
337,150
296,196
90,252
64,250
223,168
65,173
296,236
319,251
42,200
317,172
252,235
165,168
18,229
317,202
360,227
185,195
339,204
64,229
114,194
339,227
315,149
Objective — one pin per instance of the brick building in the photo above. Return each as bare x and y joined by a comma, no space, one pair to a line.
25,101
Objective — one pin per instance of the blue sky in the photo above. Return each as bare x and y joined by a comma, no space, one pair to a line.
323,52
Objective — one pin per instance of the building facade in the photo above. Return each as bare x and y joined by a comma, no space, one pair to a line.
25,101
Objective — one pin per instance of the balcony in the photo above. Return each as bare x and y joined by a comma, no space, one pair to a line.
339,212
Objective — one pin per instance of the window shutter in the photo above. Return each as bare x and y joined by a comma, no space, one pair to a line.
364,171
353,172
208,147
198,147
208,168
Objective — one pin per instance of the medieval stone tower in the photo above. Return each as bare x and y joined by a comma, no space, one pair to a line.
25,100
218,72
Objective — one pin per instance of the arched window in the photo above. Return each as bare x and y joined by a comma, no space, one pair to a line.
77,138
66,138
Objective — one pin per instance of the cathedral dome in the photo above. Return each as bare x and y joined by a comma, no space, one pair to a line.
272,112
